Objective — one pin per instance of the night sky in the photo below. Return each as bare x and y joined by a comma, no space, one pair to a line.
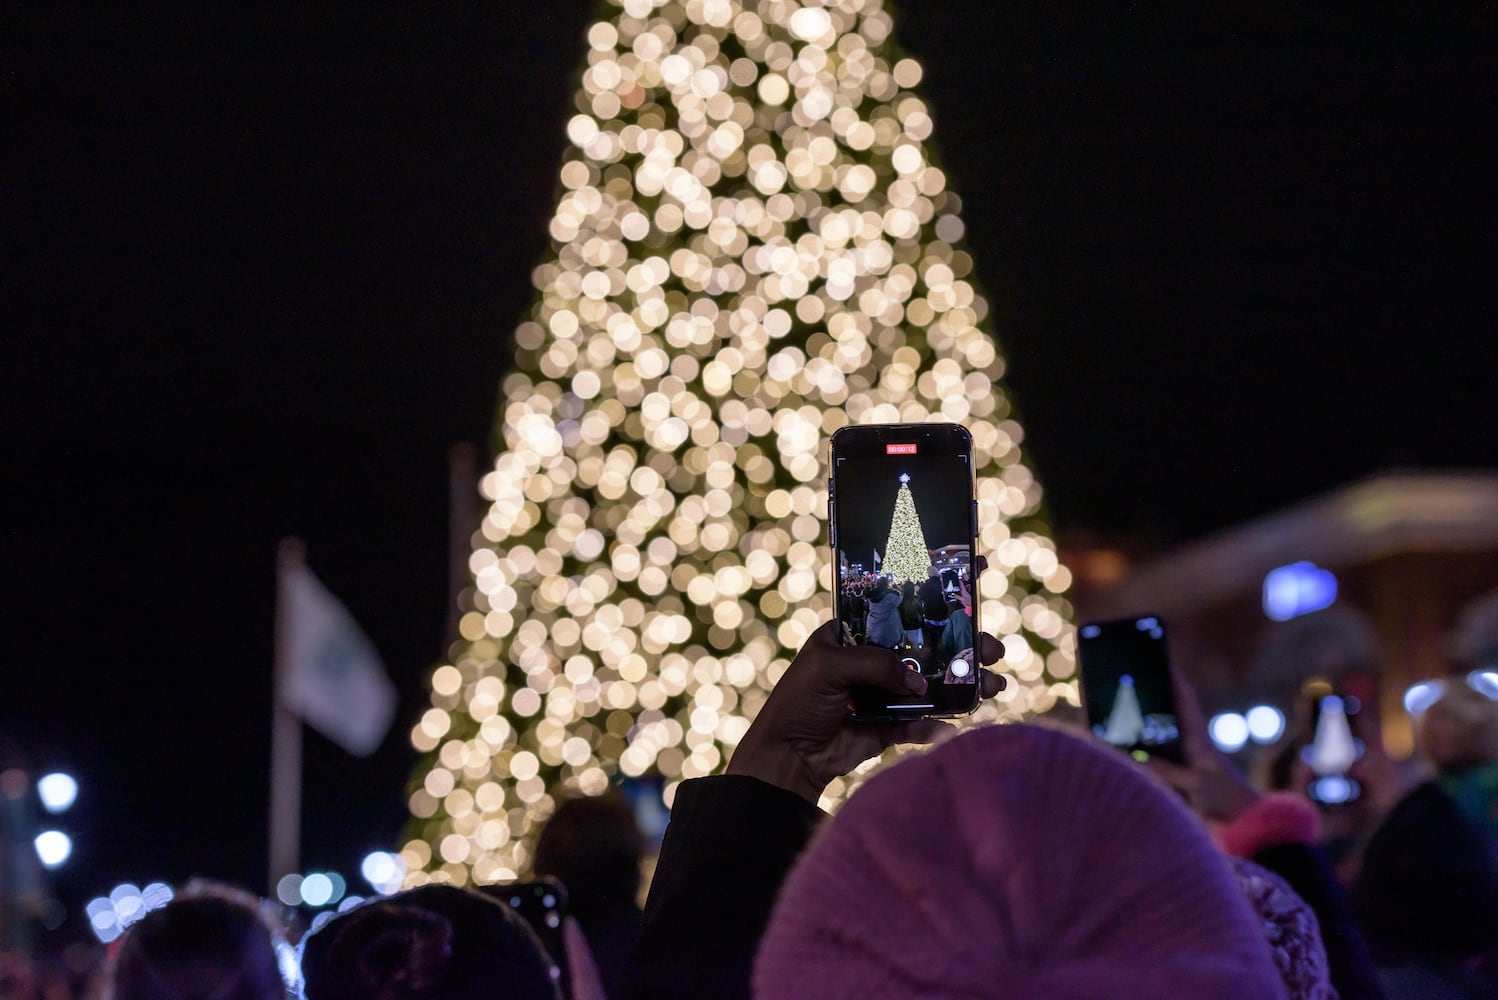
262,265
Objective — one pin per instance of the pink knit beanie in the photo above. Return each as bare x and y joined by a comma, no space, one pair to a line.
1014,861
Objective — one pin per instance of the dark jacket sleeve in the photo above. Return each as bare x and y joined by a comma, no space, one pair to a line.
730,843
1308,871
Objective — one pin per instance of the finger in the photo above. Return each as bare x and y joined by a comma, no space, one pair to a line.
1189,711
990,650
872,666
991,683
825,634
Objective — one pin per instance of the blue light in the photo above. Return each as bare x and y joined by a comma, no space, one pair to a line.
1298,589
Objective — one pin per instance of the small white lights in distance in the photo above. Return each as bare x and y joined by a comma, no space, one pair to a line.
383,871
1229,731
289,890
1265,723
155,896
1484,682
110,915
1419,697
54,847
103,920
57,791
317,890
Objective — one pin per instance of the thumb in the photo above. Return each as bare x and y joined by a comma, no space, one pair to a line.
873,666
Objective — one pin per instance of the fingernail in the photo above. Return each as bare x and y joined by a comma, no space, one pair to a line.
914,682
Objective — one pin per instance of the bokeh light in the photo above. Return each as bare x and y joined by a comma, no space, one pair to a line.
383,871
1265,723
109,916
57,792
53,847
1421,695
1229,730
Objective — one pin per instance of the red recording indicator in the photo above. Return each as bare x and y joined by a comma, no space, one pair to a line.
899,449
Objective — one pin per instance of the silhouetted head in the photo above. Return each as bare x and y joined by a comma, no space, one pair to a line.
1460,729
208,944
592,845
435,942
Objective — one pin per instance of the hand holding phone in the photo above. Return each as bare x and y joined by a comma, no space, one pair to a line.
903,530
804,737
1193,765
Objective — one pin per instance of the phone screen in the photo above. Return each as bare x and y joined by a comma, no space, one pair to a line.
1126,686
903,538
543,904
1333,749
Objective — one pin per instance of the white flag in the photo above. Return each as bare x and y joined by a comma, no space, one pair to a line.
331,675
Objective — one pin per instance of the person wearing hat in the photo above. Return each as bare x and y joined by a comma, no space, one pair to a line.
1060,870
733,836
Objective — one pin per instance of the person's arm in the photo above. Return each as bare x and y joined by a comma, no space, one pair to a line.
733,837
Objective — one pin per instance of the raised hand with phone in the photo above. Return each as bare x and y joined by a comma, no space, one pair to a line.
902,514
804,736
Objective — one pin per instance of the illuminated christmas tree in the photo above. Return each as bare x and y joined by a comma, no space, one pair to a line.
905,554
1125,720
752,246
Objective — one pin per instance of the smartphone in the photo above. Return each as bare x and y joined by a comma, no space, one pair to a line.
903,527
1333,749
543,904
1126,686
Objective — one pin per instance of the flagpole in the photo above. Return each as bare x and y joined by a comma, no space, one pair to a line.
286,737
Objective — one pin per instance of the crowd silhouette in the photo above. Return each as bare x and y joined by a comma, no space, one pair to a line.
1023,860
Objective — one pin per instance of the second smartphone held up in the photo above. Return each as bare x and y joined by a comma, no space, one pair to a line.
1127,688
904,537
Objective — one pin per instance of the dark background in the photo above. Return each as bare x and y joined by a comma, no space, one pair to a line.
261,265
868,488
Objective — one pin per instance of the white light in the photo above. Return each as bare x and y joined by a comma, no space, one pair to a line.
1229,731
290,963
1421,696
1265,723
1333,789
1298,589
57,791
101,913
383,871
1484,682
809,23
317,889
53,847
156,895
289,890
